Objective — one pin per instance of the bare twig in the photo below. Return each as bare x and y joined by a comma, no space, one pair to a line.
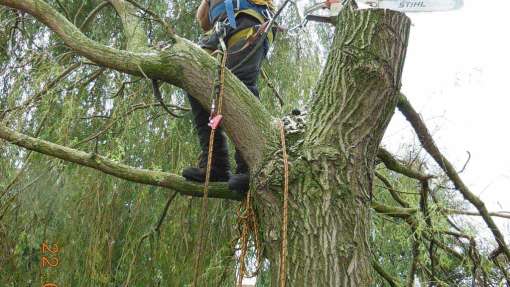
92,14
154,15
165,211
271,86
66,13
392,190
78,12
466,163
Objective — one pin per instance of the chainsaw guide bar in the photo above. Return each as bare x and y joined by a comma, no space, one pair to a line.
329,9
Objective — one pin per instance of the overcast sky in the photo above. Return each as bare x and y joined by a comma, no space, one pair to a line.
457,77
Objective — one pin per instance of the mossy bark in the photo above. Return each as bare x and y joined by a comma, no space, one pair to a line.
332,166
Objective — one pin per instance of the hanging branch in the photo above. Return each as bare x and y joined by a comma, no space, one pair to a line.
424,196
153,230
45,90
112,121
414,262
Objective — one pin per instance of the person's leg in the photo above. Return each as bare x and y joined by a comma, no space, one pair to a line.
248,73
220,166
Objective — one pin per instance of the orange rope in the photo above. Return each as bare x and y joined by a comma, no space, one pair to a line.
283,251
203,214
248,220
244,245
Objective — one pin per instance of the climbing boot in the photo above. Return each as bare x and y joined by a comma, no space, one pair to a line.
220,169
240,181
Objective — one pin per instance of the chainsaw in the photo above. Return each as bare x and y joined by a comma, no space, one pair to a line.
327,11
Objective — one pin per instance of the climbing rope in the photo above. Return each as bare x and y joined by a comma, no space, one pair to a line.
244,242
214,122
285,223
248,222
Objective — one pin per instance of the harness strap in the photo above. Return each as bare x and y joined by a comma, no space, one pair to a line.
250,36
232,8
229,7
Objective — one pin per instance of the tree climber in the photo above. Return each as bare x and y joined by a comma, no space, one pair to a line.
238,22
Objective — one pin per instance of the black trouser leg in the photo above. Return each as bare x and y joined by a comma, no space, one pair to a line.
220,166
248,73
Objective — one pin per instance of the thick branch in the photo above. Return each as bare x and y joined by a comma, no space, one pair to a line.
100,163
399,212
428,143
393,164
181,63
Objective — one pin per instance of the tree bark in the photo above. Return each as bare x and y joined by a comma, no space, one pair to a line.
333,167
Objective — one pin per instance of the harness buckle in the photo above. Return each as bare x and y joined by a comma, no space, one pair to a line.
267,13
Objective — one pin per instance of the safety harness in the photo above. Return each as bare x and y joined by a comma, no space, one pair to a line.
259,9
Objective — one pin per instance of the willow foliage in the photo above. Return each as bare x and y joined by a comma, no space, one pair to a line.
104,226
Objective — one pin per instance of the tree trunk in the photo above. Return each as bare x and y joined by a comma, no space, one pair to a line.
332,161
